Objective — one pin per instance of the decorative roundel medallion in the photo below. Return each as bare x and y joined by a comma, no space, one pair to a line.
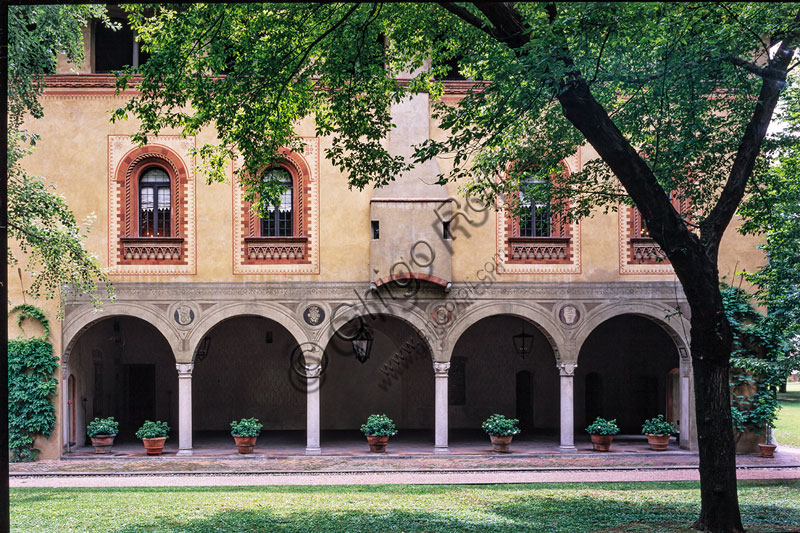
183,315
441,315
569,315
314,315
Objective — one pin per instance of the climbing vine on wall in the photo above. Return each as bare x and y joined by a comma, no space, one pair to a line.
31,311
31,388
757,361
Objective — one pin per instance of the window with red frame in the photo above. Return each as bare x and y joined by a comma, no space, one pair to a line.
155,201
279,219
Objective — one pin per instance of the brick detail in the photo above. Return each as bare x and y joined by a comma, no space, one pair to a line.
557,254
254,254
411,275
128,253
128,173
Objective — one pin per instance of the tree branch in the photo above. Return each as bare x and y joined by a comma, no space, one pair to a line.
712,228
468,17
748,66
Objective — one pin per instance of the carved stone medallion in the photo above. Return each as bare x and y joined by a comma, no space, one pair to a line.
314,315
183,315
569,315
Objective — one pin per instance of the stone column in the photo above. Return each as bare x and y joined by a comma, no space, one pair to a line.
685,428
567,370
440,370
66,412
312,409
184,408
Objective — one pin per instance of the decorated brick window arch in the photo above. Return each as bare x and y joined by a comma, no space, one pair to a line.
542,239
151,201
284,238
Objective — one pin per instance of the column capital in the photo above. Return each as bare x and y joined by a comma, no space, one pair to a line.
441,369
566,369
185,369
313,371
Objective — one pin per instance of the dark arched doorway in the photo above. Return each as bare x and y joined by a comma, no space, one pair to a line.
122,367
623,373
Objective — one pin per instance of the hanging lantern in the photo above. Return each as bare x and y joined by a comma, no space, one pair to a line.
523,343
202,350
362,344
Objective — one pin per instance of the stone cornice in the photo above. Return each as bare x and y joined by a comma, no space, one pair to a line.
108,81
298,291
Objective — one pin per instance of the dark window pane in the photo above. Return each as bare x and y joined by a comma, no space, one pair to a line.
155,207
113,50
541,217
146,201
537,219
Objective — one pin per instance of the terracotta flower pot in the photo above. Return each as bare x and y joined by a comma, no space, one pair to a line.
601,443
245,444
658,443
377,444
102,443
767,450
155,445
501,444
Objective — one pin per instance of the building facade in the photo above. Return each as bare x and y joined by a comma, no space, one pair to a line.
409,300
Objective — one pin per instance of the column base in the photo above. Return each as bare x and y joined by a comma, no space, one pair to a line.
184,452
313,450
441,450
568,449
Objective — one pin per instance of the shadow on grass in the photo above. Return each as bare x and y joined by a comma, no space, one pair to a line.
609,507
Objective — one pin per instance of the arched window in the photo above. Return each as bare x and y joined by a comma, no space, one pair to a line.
155,204
278,222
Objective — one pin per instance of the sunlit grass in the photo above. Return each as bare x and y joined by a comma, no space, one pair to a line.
787,427
766,506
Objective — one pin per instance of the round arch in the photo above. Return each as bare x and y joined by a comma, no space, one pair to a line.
675,325
261,309
413,318
85,319
532,313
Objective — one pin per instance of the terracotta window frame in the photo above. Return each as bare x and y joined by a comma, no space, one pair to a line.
556,249
259,249
134,249
641,248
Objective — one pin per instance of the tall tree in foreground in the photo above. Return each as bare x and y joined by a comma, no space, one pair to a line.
676,99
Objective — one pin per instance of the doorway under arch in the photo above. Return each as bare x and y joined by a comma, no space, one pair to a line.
626,367
123,367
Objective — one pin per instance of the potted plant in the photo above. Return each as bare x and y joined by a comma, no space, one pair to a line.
602,432
767,449
501,430
658,432
245,432
378,429
102,432
153,435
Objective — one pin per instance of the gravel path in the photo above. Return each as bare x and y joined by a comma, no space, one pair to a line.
380,478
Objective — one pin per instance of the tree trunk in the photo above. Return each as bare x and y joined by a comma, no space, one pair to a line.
719,511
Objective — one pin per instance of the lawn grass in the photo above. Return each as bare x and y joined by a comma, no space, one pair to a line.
787,427
573,507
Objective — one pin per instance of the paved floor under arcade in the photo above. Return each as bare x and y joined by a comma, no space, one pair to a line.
405,443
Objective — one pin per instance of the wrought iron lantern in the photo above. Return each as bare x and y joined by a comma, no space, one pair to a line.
202,350
523,343
362,344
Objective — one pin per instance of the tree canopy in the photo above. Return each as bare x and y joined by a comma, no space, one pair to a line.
675,98
39,219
